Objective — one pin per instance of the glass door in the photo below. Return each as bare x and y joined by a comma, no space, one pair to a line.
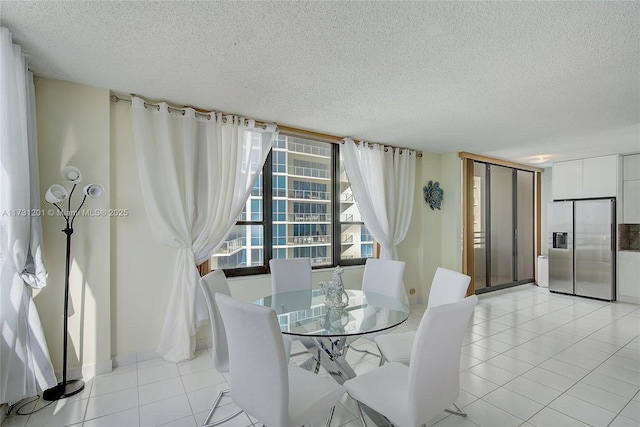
501,244
480,225
503,215
525,225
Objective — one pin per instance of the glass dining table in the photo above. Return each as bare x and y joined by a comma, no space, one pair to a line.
327,331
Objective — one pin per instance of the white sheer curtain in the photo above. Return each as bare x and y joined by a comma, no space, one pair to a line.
383,181
25,366
196,175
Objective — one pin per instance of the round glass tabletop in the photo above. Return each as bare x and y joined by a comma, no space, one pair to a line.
305,313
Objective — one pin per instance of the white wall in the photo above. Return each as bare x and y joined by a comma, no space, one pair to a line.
434,237
124,277
451,215
73,129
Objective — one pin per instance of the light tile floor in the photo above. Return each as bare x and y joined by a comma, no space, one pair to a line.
530,358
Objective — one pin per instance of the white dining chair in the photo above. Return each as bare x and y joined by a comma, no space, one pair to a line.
212,284
290,274
409,396
382,277
262,383
447,286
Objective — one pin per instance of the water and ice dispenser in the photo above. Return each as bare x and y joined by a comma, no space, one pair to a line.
560,240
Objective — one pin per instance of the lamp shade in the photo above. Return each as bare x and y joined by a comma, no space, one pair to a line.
71,174
93,190
56,193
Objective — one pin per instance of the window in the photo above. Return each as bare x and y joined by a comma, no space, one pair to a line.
306,210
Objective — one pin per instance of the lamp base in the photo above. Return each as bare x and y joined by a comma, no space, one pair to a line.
63,390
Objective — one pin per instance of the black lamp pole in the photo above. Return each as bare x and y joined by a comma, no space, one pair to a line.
66,388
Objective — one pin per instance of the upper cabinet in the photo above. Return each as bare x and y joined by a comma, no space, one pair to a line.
585,178
567,180
631,189
631,167
600,176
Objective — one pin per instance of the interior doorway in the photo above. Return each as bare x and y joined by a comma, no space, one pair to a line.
501,224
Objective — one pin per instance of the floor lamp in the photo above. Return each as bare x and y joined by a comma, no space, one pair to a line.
56,194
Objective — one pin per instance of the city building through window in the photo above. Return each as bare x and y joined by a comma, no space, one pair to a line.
300,206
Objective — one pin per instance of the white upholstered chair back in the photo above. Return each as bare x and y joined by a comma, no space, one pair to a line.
257,362
211,284
434,376
384,277
447,286
291,274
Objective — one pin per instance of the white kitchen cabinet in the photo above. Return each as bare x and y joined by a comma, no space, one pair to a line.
631,189
600,176
631,202
567,180
631,167
585,178
628,273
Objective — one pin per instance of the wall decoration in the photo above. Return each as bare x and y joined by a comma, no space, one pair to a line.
433,194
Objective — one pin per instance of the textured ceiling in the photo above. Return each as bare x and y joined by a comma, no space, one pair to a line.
506,79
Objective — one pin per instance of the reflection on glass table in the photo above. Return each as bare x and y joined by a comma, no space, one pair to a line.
329,331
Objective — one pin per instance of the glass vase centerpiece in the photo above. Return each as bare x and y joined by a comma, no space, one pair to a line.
336,297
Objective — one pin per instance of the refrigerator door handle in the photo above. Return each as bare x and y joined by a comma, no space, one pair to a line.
613,227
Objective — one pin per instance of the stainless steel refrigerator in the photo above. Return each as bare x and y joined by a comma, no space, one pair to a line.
582,245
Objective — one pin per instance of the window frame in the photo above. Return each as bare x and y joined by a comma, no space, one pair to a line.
268,224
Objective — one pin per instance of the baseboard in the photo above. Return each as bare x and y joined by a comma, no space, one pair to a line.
143,356
204,343
413,300
133,358
629,299
86,372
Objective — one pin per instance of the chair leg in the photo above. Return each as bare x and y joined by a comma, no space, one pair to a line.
364,424
333,408
382,359
458,410
364,351
213,408
300,353
317,368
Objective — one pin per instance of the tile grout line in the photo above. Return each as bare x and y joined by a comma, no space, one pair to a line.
590,371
